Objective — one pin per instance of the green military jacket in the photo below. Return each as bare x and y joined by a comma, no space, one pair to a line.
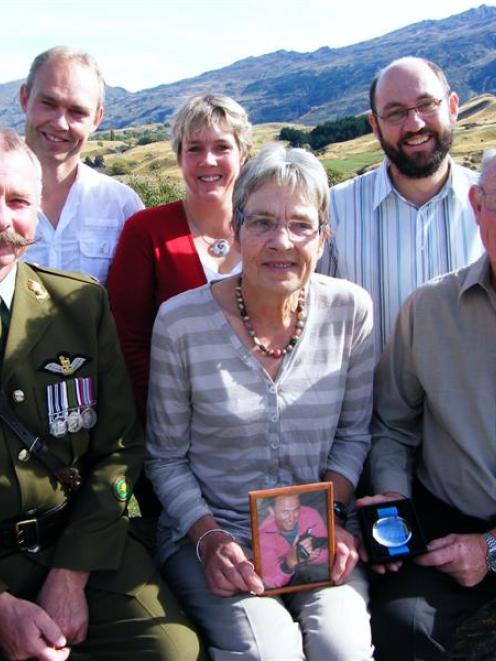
63,319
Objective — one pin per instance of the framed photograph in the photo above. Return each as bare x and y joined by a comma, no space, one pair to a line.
293,536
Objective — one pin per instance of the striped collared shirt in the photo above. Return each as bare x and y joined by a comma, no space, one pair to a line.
219,426
390,247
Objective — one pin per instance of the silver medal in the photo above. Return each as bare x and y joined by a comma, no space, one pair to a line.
58,427
391,531
88,417
74,422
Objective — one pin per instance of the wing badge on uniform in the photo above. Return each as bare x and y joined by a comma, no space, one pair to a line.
65,364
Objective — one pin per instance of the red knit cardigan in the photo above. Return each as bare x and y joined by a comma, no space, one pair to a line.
155,259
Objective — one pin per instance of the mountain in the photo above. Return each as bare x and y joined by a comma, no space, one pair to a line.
308,88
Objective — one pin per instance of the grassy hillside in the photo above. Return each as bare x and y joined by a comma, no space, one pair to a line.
475,132
156,158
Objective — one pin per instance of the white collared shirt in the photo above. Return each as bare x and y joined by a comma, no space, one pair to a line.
89,226
390,247
7,287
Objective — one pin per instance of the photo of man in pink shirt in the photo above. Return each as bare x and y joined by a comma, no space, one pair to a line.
293,544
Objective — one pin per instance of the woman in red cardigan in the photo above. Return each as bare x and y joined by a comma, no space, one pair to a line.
175,247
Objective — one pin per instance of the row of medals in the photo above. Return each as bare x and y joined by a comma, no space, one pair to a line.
63,419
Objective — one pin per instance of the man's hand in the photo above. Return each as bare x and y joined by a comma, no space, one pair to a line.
293,557
375,500
62,597
226,567
346,554
461,556
306,544
26,631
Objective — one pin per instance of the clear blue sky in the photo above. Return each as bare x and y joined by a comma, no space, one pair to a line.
142,43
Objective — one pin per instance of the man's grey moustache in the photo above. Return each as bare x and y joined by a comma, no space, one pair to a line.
13,239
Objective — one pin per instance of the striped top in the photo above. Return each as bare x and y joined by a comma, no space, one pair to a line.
390,247
219,426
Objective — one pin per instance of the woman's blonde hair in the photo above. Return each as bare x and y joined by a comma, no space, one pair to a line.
209,110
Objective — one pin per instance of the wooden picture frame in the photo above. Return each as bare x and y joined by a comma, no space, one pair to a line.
293,536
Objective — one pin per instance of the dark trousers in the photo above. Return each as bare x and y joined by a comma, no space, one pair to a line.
415,612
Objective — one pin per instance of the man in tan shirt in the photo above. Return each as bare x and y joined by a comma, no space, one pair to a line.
434,440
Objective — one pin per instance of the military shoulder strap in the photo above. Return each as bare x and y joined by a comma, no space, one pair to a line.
68,476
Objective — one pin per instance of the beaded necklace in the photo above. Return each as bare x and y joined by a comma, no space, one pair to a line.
299,326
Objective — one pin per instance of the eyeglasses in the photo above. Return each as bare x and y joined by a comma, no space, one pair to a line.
260,226
489,199
423,109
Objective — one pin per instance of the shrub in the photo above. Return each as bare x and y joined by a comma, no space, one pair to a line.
155,189
334,177
295,137
339,130
120,166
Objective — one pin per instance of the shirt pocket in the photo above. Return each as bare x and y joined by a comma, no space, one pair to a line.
97,246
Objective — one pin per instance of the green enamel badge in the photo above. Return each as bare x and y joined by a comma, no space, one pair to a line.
122,489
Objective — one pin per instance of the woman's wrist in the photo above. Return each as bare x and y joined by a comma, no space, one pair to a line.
209,536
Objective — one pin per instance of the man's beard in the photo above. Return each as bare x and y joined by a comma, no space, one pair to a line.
14,239
419,165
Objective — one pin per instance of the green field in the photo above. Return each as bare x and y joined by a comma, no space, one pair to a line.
354,163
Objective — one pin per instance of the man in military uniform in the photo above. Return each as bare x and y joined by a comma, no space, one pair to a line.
72,581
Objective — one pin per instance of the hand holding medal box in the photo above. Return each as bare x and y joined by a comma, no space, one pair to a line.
391,531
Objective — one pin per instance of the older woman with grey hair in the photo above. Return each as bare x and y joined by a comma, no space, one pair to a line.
257,381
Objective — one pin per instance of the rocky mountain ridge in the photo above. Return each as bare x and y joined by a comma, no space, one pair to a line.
310,88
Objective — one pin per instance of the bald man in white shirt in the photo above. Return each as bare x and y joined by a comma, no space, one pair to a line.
82,211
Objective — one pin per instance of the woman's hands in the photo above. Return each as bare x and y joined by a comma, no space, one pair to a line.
345,556
226,567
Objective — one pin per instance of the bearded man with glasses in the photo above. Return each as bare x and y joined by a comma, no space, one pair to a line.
409,220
